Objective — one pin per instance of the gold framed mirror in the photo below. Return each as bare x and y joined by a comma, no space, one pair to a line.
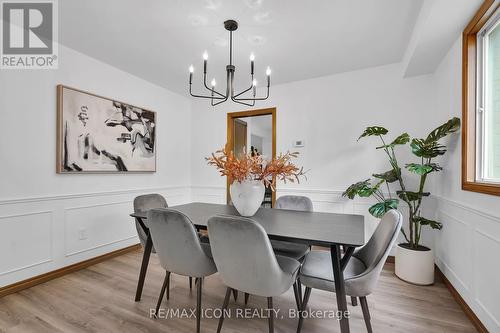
253,131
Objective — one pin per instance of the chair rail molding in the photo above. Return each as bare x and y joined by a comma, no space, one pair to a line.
90,194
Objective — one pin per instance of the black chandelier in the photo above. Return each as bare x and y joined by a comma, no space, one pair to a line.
217,97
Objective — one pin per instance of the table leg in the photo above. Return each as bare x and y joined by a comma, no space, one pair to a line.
144,266
338,275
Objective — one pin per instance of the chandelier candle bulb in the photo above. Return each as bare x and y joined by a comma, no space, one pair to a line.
252,58
205,58
213,83
191,70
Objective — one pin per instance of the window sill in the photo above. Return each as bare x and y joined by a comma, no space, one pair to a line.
486,188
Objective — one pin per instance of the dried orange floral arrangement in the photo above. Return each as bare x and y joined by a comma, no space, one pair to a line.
249,167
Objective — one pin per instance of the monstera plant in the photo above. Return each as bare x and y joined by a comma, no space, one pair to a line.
425,150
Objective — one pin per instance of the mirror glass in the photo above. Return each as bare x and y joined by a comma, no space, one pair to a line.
255,136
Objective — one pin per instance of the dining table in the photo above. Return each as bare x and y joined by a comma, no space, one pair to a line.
341,233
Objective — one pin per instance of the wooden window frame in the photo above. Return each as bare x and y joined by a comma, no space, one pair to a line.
469,88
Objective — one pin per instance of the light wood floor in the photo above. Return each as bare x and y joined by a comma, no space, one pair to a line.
101,299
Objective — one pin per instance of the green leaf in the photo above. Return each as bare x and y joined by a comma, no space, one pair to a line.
423,169
373,130
379,209
354,189
389,176
411,196
401,140
449,127
369,190
424,149
363,189
423,221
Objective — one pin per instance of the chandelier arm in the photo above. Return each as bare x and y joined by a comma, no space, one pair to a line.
253,99
244,91
239,102
210,89
227,92
219,102
201,96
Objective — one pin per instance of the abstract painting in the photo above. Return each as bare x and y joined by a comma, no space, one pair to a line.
98,134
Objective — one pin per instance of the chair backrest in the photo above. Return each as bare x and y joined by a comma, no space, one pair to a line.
177,243
294,202
374,253
244,257
143,203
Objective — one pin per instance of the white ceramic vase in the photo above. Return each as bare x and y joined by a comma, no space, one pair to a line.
414,266
247,196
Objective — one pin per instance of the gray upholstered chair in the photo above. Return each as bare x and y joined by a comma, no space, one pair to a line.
245,260
142,204
362,271
180,251
289,249
145,202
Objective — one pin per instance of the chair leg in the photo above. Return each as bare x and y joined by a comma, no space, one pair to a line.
162,292
224,307
271,314
199,285
307,294
235,294
190,283
366,314
296,294
168,286
246,298
299,289
354,301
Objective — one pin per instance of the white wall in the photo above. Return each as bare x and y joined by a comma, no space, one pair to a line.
41,212
329,113
467,247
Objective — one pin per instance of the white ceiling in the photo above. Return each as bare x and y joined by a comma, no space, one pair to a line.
158,39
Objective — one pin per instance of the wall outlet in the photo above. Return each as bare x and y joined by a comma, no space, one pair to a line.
82,233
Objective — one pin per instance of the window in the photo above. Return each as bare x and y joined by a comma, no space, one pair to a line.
481,101
488,106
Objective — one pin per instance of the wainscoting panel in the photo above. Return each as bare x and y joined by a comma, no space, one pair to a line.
43,234
455,248
25,241
90,227
487,287
208,194
467,250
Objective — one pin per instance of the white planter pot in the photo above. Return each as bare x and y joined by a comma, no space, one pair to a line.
415,266
247,196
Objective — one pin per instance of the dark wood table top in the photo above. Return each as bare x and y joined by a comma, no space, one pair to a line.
314,228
